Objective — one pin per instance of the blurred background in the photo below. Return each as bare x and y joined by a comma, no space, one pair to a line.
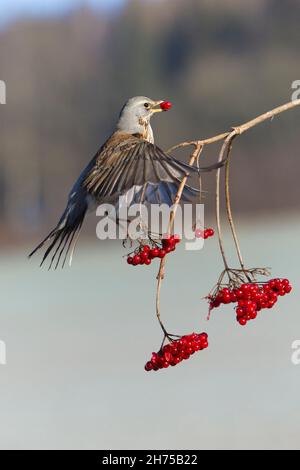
77,339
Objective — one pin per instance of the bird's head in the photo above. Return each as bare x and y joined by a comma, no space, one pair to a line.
136,114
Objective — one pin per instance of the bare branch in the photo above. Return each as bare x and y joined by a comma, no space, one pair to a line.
242,128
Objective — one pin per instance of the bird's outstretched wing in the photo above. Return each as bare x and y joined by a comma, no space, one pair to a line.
132,163
124,166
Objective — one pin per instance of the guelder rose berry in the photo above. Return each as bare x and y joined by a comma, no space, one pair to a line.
176,351
251,298
206,233
199,233
144,254
166,105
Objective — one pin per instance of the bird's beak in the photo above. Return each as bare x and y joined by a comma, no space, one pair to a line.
157,103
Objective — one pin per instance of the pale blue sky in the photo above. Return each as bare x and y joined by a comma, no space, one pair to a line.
10,9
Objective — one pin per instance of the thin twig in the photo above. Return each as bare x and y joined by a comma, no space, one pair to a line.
224,151
208,141
194,156
229,211
160,276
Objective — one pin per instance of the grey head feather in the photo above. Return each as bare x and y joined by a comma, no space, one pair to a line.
135,116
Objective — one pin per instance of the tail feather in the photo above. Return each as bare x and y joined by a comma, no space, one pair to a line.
73,247
69,246
40,245
61,237
64,236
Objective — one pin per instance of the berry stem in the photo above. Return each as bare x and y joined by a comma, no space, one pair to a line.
160,276
228,207
158,306
200,184
218,218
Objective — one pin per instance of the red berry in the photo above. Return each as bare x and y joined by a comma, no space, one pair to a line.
240,312
129,260
154,253
226,298
272,283
210,232
250,309
149,366
136,260
203,337
146,248
239,293
273,296
225,290
176,360
154,358
165,105
199,233
167,356
167,242
161,253
144,256
257,296
185,355
176,238
245,288
242,321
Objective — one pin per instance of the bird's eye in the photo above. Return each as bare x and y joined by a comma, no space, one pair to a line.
147,105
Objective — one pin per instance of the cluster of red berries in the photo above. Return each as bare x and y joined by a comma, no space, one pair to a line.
206,233
165,105
176,351
144,254
251,297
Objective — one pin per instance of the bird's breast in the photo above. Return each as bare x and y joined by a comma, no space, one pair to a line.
147,133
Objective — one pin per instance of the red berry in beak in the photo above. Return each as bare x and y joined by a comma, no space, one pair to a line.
166,105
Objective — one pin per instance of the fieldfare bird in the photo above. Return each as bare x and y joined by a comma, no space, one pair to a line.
128,165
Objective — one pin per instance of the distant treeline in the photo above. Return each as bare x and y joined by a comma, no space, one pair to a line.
220,62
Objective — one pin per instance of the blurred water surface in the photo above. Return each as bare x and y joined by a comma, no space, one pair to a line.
77,341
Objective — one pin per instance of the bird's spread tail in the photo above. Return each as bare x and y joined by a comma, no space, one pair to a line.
62,236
